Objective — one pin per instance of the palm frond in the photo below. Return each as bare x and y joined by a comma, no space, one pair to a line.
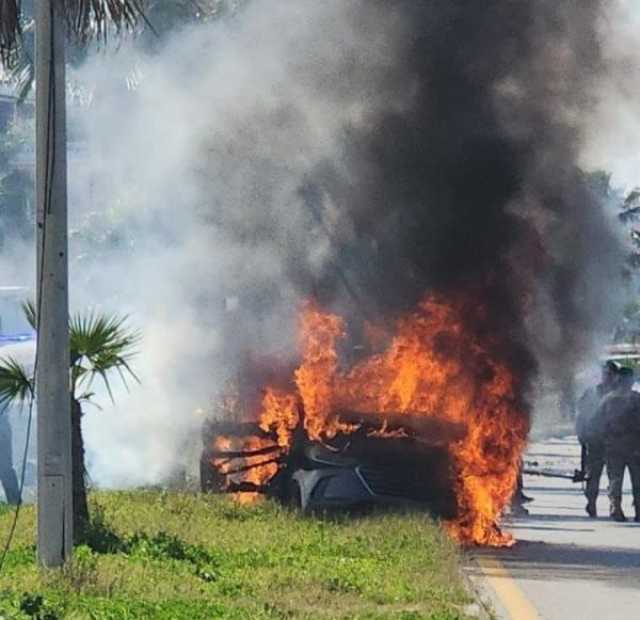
22,73
9,31
15,384
100,343
29,310
89,19
19,68
85,19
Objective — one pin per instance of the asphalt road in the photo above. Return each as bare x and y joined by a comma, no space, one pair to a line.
565,565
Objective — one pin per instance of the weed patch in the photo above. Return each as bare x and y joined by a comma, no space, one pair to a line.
171,555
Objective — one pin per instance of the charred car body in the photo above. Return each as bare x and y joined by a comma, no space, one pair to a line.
350,472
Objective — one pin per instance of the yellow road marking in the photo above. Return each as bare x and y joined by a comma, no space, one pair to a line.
510,595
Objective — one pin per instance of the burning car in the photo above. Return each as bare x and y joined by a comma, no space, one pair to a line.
370,471
351,472
428,413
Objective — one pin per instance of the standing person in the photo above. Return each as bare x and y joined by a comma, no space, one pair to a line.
7,473
590,431
621,416
519,498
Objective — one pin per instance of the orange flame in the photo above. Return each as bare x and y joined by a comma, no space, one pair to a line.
433,367
280,415
256,469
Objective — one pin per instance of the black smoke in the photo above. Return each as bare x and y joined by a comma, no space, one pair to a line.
365,152
473,184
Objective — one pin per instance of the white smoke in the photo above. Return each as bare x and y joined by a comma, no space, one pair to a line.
609,122
614,123
198,170
185,173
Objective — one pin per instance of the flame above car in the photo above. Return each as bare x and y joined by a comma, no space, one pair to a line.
426,376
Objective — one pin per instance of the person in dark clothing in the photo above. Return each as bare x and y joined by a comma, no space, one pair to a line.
590,431
620,411
8,476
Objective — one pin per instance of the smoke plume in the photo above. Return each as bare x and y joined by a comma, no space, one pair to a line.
360,152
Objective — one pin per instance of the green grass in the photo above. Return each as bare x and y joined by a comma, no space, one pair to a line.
172,555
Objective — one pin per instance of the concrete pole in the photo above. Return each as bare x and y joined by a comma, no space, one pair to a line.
55,510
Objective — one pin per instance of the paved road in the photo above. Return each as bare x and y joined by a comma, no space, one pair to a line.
565,565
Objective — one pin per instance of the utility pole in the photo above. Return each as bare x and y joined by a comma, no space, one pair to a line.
55,498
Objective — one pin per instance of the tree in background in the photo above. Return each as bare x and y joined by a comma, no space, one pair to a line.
100,344
629,215
16,183
99,231
91,18
168,16
84,20
626,206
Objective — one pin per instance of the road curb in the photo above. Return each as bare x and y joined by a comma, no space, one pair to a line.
498,592
478,587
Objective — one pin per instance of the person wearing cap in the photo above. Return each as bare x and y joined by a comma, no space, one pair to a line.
620,411
590,431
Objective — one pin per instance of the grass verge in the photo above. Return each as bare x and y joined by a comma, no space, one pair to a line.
170,555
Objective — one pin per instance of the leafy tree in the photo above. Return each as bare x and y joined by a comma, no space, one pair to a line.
630,214
161,18
100,344
85,19
167,16
626,207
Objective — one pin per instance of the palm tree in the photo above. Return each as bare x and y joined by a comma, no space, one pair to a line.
161,17
86,19
99,344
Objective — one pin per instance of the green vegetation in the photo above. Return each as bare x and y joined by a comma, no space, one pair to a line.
169,555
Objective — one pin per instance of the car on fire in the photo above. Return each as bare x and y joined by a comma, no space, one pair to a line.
350,472
373,472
